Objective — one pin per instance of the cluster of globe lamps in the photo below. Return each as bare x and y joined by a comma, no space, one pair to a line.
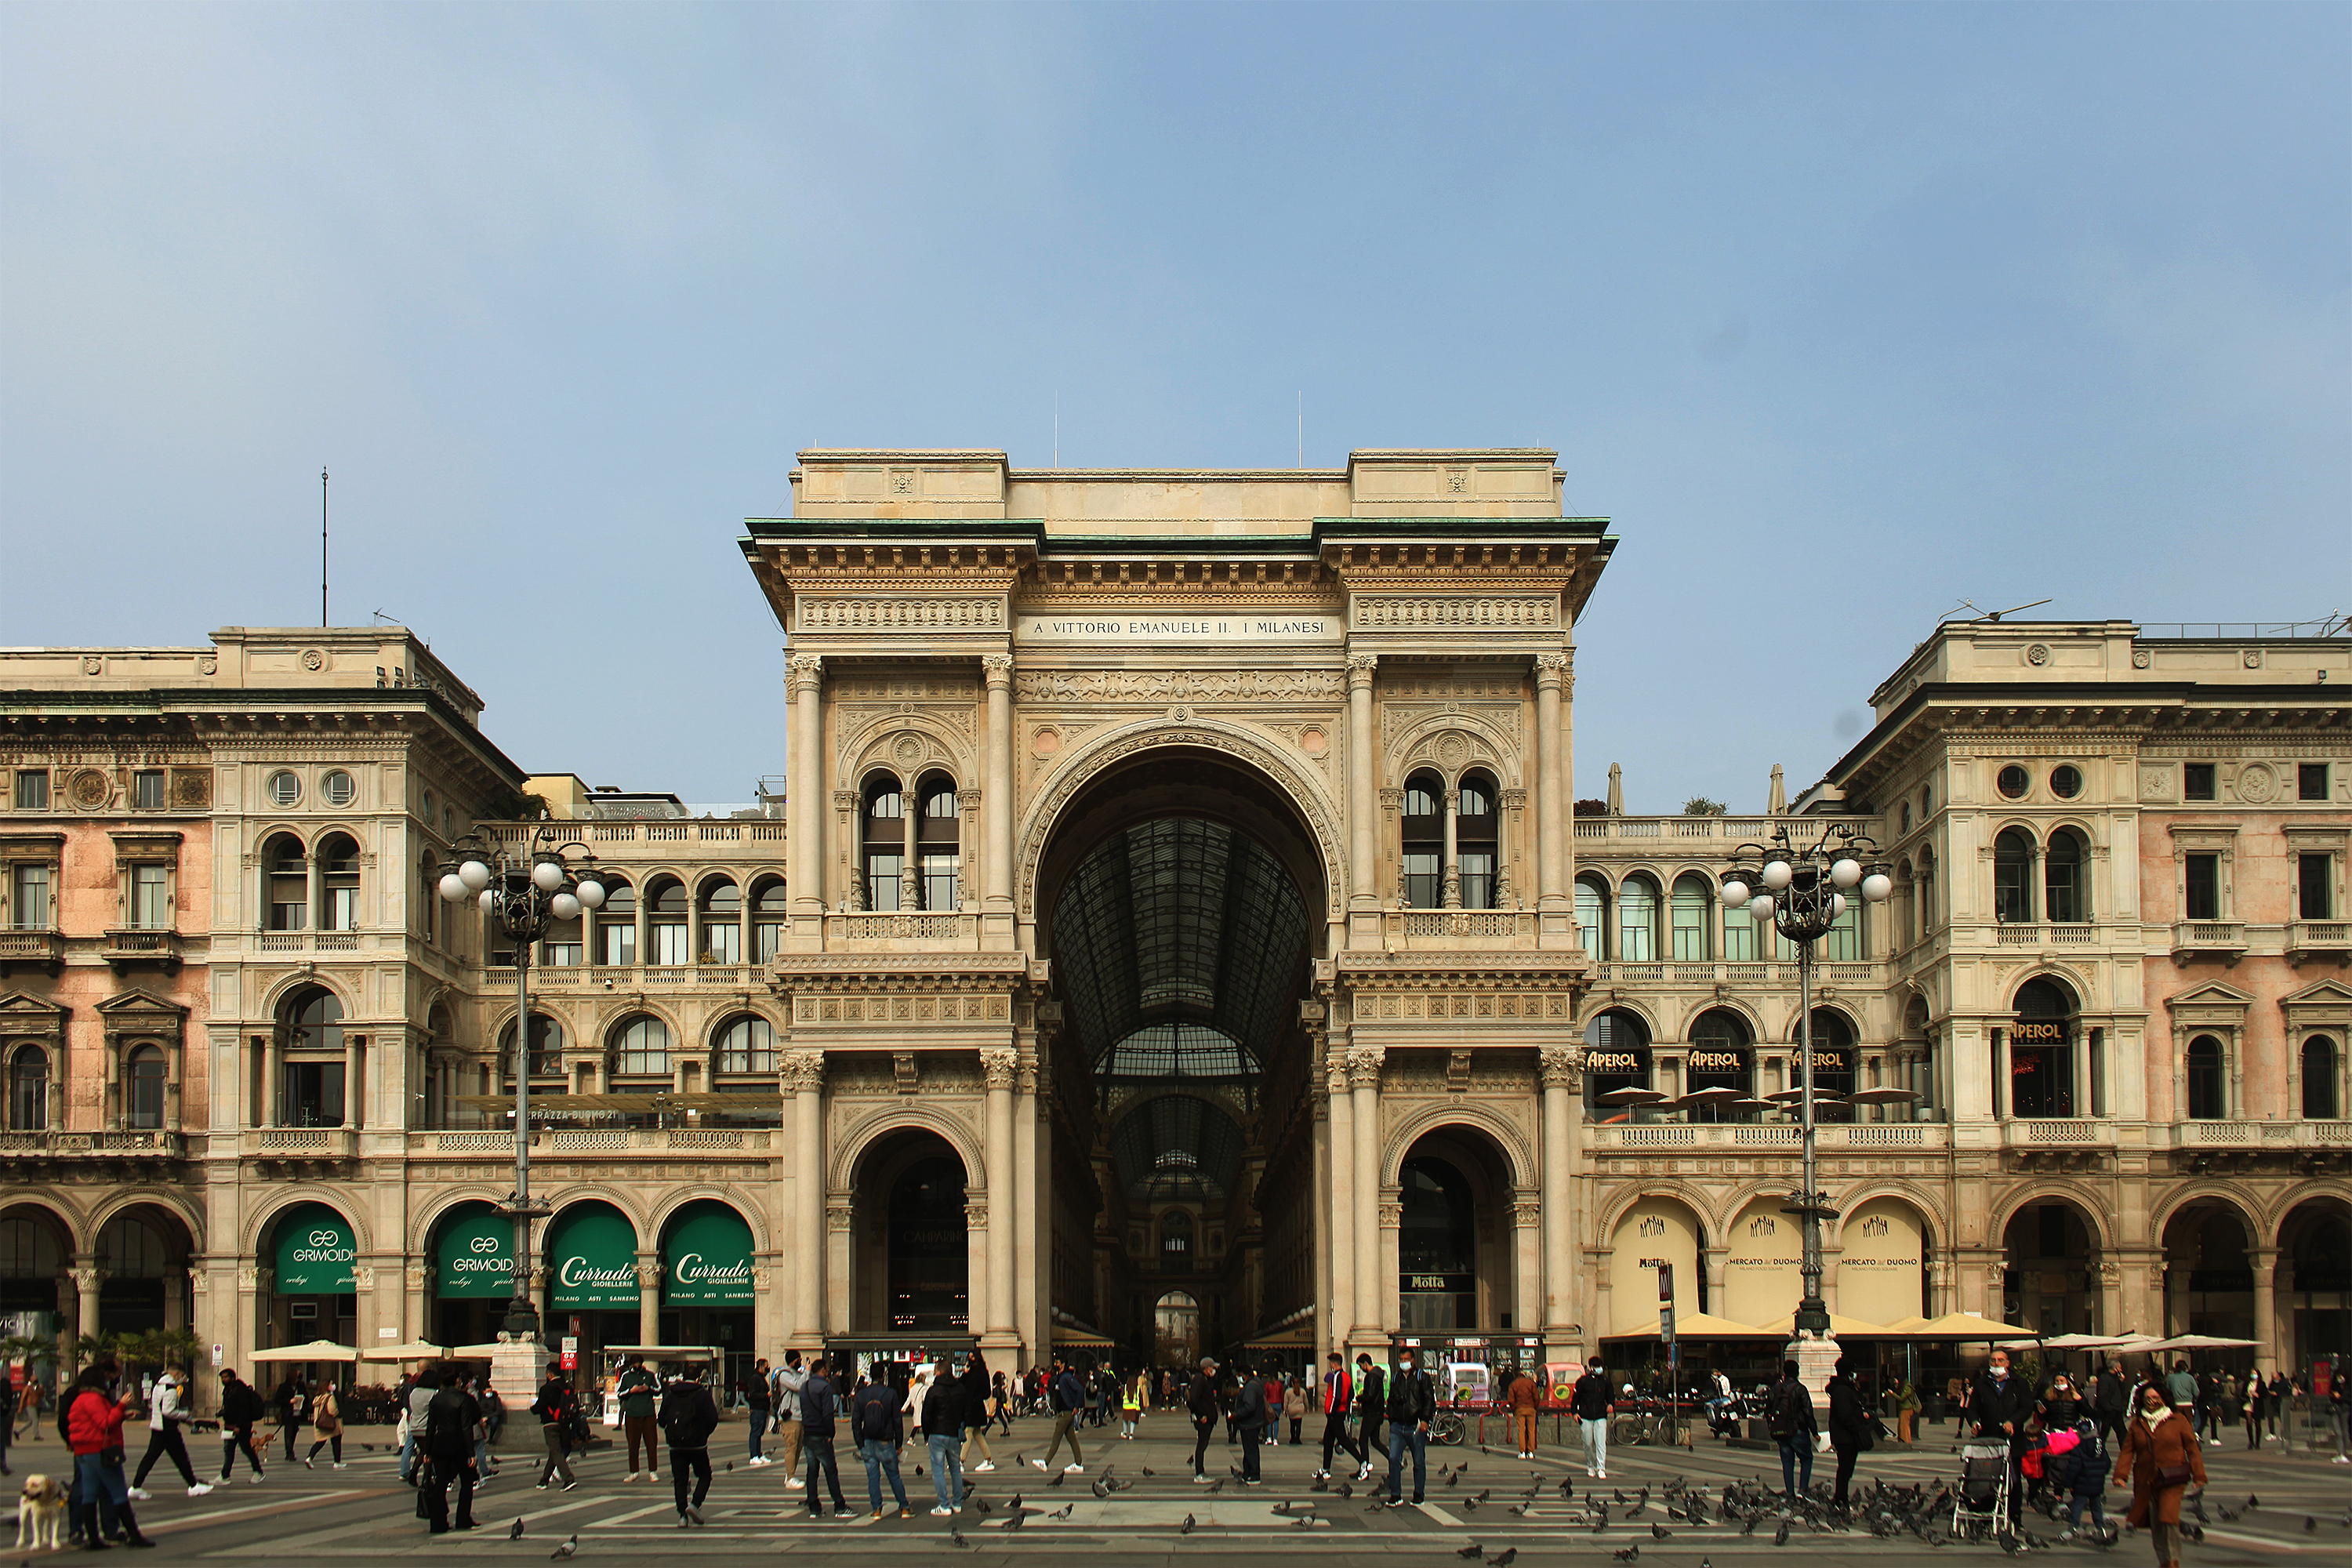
1845,873
549,875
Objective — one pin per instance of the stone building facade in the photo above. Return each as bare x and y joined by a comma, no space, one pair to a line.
1179,932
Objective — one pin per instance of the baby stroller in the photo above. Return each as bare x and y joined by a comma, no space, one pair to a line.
1980,1502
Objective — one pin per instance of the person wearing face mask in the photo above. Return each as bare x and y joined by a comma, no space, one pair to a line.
1413,1403
1999,1404
1591,1401
2161,1458
2061,1405
1371,1404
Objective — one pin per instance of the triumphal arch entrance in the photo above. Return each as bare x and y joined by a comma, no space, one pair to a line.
1182,951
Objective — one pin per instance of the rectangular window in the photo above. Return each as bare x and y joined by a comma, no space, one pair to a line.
1842,944
563,955
2311,781
2315,887
722,942
767,941
1690,928
1478,880
2202,890
1739,936
669,943
1637,936
884,872
942,878
620,940
343,910
151,897
147,789
31,789
313,1094
28,897
1422,873
2042,1080
2196,780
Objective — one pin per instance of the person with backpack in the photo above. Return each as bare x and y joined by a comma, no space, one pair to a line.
1069,1401
639,1393
1850,1424
875,1415
1339,1396
687,1418
2080,1476
555,1407
241,1410
2111,1402
981,1395
944,1425
1413,1404
446,1446
290,1401
166,1414
1250,1417
93,1424
1591,1401
1788,1416
1201,1403
789,1380
1371,1406
818,1407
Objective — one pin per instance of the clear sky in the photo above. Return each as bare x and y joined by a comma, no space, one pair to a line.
1844,314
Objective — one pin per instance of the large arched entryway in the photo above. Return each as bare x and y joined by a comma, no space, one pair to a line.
1180,903
2050,1275
910,1266
2209,1277
142,1255
1456,1272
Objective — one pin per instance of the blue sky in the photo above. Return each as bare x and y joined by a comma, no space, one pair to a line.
1842,313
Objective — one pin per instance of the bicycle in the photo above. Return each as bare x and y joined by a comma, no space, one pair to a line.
1447,1427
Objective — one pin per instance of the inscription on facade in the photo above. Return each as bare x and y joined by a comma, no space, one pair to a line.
1188,629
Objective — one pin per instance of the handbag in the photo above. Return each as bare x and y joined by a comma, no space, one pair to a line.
2171,1476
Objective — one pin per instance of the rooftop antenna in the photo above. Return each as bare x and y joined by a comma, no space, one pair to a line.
1302,429
1057,429
322,548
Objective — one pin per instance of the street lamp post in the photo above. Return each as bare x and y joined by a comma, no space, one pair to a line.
1801,889
524,891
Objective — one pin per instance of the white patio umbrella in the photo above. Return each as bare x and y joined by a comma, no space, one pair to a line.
316,1350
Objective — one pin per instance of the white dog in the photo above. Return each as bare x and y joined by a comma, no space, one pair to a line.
41,1514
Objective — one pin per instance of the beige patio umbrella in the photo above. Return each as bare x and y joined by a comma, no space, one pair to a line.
1964,1326
1842,1328
317,1350
416,1350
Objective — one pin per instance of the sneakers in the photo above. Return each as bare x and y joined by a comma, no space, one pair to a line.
684,1523
200,1488
794,1484
1074,1470
943,1512
694,1512
340,1465
653,1474
257,1477
573,1484
1364,1471
139,1494
627,1478
1320,1476
1039,1463
877,1516
761,1460
1200,1480
984,1465
906,1513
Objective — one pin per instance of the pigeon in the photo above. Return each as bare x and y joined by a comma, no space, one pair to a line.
1780,1536
1452,1480
1473,1550
1627,1555
1346,1488
1020,1458
1013,1523
1463,1468
1319,1486
957,1536
2008,1544
1015,1504
1056,1481
2252,1502
918,1469
1217,1486
982,1504
1619,1492
1062,1512
731,1465
1185,1527
2310,1525
565,1553
1150,1471
1505,1558
1482,1449
1566,1489
1660,1532
516,1533
1100,1487
1483,1493
1469,1505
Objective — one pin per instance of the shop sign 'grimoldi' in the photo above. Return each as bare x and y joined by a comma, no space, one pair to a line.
1179,626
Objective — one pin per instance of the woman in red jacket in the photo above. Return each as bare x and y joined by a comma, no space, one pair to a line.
94,1431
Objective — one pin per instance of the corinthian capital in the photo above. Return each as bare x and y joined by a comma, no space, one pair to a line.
1000,1067
804,1071
1360,667
1562,1067
803,672
997,667
1364,1066
1554,669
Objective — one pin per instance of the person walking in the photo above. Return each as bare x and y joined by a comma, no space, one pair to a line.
414,1399
2255,1393
554,1407
1339,1397
1371,1408
1200,1402
2061,1404
944,1425
2161,1458
1294,1408
326,1425
1591,1401
2111,1403
448,1451
980,1395
639,1392
1999,1405
875,1421
166,1414
2080,1476
93,1424
1907,1409
1132,1393
290,1401
241,1409
789,1380
1850,1423
759,1400
1413,1404
689,1415
1521,1395
1069,1402
1788,1416
819,1410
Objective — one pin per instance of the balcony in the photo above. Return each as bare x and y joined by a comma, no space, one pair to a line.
121,1148
921,932
309,941
1729,1137
2058,1133
43,949
2209,939
1456,931
126,947
303,1142
2309,941
2252,1135
2045,935
551,1140
565,978
1782,975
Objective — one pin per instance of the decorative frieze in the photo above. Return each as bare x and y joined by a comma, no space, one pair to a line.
823,1008
895,613
1415,612
1051,686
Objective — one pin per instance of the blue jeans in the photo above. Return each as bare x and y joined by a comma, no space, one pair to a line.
881,1456
1791,1448
2074,1512
407,1456
101,1483
947,1469
759,1424
820,1467
1404,1435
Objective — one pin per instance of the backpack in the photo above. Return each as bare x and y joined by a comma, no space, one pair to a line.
1780,1413
875,1420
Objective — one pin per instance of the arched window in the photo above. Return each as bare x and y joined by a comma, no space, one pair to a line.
747,1044
428,897
939,876
143,1088
616,925
313,1020
1437,1247
1477,840
1176,1329
286,883
1176,1242
2319,1097
665,935
2013,877
1834,1054
28,1089
1637,921
1592,916
546,1048
2067,879
1616,1054
1722,1056
338,883
767,919
722,914
1694,902
1424,846
310,1093
885,845
1927,891
2209,1098
2041,1050
641,1048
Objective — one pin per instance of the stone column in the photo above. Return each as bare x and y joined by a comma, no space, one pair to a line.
87,1278
1364,1083
1527,1264
273,1069
910,883
805,807
1000,1068
354,1102
1340,1217
996,806
1363,840
803,1076
2266,1337
649,1275
314,910
1562,1068
1450,888
1551,788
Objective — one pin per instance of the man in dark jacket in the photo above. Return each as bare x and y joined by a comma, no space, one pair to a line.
1069,1397
757,1394
2111,1403
1591,1401
241,1408
1201,1403
1789,1414
1412,1405
944,1424
554,1407
1371,1408
1999,1404
1249,1419
290,1400
451,1417
640,1396
687,1418
1849,1431
1338,1395
879,1434
818,1408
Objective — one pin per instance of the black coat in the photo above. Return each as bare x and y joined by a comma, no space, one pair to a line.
1411,1399
688,1416
1591,1399
449,1423
943,1412
1849,1422
1993,1403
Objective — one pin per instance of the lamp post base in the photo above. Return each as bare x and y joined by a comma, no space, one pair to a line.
515,1369
1816,1357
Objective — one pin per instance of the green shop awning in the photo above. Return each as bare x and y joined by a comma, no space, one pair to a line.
316,1249
707,1260
592,1251
475,1259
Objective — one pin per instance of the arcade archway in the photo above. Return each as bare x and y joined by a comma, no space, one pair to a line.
910,1266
